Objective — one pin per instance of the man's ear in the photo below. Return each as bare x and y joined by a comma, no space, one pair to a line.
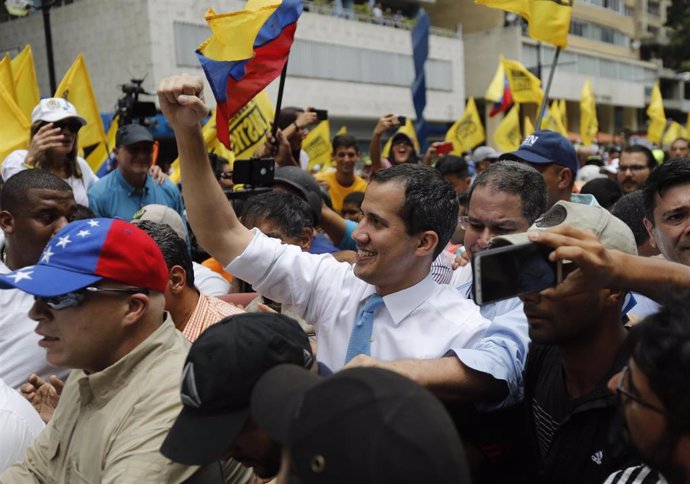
614,297
566,178
6,222
428,240
138,305
306,239
650,230
177,279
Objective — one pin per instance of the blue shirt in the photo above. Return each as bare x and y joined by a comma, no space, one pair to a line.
113,197
502,350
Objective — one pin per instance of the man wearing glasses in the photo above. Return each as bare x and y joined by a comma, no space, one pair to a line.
636,163
100,310
653,392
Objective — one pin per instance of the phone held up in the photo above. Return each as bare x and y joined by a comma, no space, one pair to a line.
506,272
444,148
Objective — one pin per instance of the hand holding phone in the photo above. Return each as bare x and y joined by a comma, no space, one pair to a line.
402,120
444,148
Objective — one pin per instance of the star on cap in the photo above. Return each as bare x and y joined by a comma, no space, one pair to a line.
92,223
83,233
18,276
63,241
46,255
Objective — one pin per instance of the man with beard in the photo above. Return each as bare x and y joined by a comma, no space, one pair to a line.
636,163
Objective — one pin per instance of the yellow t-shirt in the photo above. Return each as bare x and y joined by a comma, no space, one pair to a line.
339,192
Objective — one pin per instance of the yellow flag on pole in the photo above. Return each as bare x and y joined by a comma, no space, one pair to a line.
553,120
657,117
589,125
675,130
525,87
76,88
342,130
15,126
562,106
468,131
6,76
318,146
494,93
529,127
549,20
408,130
507,136
25,81
249,126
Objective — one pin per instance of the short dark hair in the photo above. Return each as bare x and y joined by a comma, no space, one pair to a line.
661,349
83,213
452,165
651,161
606,191
630,209
16,189
344,141
354,197
217,163
172,246
670,174
430,200
519,179
286,210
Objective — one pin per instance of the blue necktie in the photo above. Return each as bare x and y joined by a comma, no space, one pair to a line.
360,339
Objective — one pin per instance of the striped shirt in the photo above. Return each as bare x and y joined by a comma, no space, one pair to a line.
209,310
636,475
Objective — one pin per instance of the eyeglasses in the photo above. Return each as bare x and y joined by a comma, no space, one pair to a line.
632,168
463,221
628,392
76,298
71,125
225,175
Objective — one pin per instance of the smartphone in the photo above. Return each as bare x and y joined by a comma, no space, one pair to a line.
506,272
402,120
444,148
321,114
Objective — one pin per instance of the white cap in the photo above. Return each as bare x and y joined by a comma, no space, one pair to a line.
55,109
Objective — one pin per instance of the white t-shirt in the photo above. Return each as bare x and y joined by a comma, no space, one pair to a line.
14,163
19,426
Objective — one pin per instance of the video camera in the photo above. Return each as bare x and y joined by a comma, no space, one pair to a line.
129,109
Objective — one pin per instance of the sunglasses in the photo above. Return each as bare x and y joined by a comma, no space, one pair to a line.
76,298
71,125
225,176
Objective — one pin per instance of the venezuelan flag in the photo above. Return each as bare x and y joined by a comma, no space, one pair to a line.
246,51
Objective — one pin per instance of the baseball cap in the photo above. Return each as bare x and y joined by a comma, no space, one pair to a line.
401,138
130,134
545,147
363,425
55,109
484,153
612,232
161,214
86,251
303,184
221,369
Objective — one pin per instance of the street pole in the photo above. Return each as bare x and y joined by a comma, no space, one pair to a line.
45,9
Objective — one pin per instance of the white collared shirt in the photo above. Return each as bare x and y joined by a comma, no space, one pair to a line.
424,321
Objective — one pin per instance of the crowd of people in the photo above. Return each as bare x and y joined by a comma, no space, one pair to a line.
324,329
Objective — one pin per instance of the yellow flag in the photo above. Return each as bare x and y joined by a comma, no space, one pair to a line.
408,129
342,130
15,126
76,88
657,117
589,125
249,126
529,127
675,130
468,131
318,146
25,81
6,76
549,20
507,136
553,120
564,113
525,87
495,91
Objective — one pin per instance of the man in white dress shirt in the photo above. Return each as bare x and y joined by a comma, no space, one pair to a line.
409,214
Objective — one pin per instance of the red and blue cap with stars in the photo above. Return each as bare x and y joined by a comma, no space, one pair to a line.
86,251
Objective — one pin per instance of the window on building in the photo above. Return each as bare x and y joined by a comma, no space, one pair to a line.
628,11
653,8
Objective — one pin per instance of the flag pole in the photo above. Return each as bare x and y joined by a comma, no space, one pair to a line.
540,114
279,101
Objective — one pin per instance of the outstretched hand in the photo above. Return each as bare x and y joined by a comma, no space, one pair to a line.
43,395
181,99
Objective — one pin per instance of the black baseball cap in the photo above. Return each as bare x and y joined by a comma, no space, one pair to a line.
130,134
361,425
219,374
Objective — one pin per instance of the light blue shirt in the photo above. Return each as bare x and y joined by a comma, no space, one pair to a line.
113,197
502,350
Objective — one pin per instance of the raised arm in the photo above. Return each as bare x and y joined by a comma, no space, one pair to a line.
210,215
385,123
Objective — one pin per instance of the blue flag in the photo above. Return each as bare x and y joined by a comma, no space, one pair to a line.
420,52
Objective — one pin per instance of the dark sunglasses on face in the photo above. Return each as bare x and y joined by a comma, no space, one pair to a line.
76,298
68,124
